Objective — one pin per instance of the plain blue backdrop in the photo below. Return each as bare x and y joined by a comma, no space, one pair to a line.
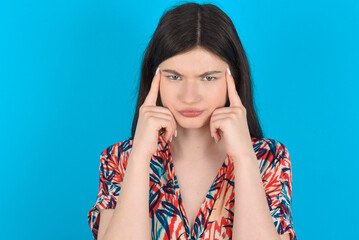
69,73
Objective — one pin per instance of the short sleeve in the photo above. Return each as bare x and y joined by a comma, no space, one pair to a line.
278,188
111,176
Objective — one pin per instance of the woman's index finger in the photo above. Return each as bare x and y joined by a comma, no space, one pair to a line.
152,95
234,99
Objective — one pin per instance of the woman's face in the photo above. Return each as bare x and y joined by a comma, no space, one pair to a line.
186,85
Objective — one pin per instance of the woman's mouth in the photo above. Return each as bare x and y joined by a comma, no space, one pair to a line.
190,113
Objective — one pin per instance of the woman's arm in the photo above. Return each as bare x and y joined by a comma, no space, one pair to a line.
252,217
130,219
106,215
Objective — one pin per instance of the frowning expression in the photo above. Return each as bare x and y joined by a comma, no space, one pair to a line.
193,80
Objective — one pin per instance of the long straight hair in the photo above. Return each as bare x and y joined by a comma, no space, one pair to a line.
192,25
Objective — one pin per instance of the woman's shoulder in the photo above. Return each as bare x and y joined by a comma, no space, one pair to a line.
265,142
273,157
113,159
269,148
116,156
123,148
115,148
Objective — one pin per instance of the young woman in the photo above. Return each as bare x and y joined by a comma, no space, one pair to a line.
197,165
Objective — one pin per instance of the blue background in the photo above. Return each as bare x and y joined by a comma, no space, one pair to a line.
69,72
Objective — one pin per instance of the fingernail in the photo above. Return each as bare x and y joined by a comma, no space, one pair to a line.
229,71
171,139
157,70
176,133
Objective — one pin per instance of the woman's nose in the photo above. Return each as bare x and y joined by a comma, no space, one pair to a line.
190,91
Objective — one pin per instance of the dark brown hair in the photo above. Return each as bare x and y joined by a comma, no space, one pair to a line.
191,25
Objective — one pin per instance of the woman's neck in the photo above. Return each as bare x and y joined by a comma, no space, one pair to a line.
196,144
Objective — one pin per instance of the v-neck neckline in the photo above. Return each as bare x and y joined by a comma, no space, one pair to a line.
212,194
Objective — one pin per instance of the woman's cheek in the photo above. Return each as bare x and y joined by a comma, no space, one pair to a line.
166,93
162,93
220,96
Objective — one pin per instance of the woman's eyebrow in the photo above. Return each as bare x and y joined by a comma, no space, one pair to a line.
201,75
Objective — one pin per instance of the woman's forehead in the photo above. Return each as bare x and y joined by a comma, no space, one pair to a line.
195,64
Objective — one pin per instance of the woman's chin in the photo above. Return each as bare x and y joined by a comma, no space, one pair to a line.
192,123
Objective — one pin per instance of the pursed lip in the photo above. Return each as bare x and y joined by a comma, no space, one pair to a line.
191,112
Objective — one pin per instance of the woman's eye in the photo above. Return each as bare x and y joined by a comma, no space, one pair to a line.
211,77
172,76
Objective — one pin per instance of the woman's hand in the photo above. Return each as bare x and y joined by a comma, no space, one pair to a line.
232,121
151,120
